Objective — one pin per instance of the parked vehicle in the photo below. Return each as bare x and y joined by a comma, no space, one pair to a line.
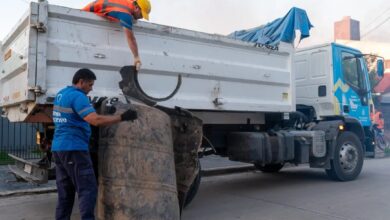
266,106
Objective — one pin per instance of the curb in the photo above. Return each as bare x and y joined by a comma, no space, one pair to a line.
227,170
204,173
24,192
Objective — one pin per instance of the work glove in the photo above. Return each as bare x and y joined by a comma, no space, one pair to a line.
129,115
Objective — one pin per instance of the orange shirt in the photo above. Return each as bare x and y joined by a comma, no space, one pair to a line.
103,7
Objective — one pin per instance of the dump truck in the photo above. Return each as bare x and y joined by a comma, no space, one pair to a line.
267,106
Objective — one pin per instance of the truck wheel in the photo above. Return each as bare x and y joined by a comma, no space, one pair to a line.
269,168
347,162
193,189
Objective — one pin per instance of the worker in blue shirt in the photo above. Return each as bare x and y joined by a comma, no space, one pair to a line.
72,116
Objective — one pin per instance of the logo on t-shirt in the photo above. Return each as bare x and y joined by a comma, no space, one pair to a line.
59,97
57,117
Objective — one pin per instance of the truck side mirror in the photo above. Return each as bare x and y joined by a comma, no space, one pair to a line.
380,67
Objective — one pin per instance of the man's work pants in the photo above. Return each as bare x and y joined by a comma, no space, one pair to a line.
74,173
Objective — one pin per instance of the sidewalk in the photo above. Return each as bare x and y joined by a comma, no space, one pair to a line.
211,165
10,187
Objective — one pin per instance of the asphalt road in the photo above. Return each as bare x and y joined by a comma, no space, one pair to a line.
295,194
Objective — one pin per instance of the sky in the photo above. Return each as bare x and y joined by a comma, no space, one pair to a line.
226,16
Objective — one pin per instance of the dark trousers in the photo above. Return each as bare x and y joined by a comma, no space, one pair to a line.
74,173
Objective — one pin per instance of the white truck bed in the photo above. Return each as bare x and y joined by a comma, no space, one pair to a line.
50,43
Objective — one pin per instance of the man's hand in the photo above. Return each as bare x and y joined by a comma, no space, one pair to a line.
129,115
137,63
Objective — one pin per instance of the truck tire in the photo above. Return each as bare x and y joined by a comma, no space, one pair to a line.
348,158
193,189
269,168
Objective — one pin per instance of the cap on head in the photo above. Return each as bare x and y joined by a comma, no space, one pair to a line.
146,7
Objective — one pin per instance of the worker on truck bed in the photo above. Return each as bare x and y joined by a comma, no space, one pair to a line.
72,114
124,12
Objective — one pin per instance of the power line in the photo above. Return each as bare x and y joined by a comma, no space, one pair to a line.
377,17
376,27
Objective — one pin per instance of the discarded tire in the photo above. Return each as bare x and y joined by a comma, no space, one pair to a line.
136,168
187,138
193,189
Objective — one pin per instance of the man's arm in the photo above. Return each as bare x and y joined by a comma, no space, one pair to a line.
102,120
132,42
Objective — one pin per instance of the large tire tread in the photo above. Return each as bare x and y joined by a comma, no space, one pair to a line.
193,189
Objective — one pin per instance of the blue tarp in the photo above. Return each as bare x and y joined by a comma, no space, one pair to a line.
281,29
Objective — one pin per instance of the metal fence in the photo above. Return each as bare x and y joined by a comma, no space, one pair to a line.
18,139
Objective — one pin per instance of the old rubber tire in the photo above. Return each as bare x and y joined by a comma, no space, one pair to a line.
269,168
348,158
193,189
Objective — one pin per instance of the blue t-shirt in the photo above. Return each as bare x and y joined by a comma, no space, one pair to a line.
126,20
72,132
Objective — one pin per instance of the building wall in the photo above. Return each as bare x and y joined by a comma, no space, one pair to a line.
387,64
341,30
385,108
355,30
347,29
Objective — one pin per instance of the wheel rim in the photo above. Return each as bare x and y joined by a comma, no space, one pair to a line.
348,157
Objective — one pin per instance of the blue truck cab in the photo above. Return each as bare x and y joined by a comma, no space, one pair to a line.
333,85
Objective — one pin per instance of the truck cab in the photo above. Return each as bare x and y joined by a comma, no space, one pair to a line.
332,81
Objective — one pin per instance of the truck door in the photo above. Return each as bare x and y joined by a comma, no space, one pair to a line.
351,85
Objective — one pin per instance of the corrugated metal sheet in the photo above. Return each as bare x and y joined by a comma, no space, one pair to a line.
18,139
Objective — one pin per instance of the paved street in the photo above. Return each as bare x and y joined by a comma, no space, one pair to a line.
294,194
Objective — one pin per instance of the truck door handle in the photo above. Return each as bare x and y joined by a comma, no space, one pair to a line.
346,108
